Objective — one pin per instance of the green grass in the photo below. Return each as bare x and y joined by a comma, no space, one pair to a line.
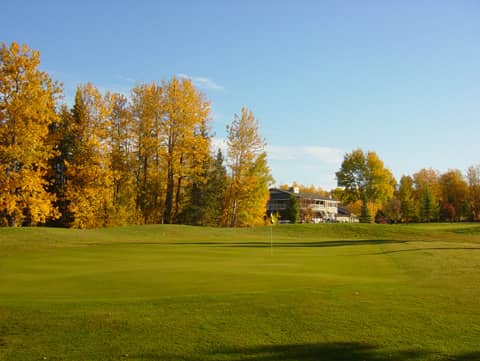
325,292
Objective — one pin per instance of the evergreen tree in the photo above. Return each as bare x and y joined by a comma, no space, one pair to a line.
63,139
426,181
365,216
207,199
215,192
292,212
407,200
429,209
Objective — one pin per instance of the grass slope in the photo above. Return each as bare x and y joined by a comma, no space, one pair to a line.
324,292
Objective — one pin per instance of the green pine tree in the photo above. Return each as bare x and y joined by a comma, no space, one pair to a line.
293,209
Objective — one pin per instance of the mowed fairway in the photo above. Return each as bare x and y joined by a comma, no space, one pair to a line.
324,292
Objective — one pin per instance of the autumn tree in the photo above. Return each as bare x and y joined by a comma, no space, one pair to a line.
473,179
305,189
337,194
454,192
426,192
365,178
185,125
28,99
406,197
122,160
393,210
250,176
89,176
148,141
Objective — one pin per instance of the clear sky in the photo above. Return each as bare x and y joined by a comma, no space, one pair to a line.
401,78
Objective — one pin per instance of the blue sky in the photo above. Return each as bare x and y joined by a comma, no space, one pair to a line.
401,78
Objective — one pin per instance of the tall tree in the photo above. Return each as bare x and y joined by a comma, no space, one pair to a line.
187,142
147,117
213,205
89,175
206,204
429,210
473,178
426,194
28,99
365,178
454,192
407,200
122,160
393,210
62,137
250,176
171,127
293,209
306,189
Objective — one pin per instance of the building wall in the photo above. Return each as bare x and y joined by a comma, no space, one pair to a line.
311,210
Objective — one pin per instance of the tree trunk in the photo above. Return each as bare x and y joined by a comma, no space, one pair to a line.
169,196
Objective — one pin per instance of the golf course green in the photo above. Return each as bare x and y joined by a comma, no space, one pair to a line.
322,292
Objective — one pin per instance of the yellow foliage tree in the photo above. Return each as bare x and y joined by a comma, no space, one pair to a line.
122,160
250,176
89,176
28,99
426,178
305,189
454,190
427,193
187,142
365,178
173,144
473,179
147,116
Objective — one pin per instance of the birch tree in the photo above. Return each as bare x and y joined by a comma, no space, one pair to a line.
89,177
186,114
148,134
250,176
28,99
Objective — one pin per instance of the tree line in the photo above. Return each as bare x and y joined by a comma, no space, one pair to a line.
372,192
113,160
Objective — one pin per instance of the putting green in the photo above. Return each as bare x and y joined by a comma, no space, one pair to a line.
323,292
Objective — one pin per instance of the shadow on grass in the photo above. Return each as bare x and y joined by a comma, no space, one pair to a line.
432,249
282,244
341,243
474,230
471,356
317,352
335,351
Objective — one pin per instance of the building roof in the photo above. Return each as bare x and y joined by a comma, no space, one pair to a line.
343,211
280,194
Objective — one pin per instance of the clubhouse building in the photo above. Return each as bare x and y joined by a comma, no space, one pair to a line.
313,208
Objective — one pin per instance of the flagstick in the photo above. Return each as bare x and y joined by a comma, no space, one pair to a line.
271,240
